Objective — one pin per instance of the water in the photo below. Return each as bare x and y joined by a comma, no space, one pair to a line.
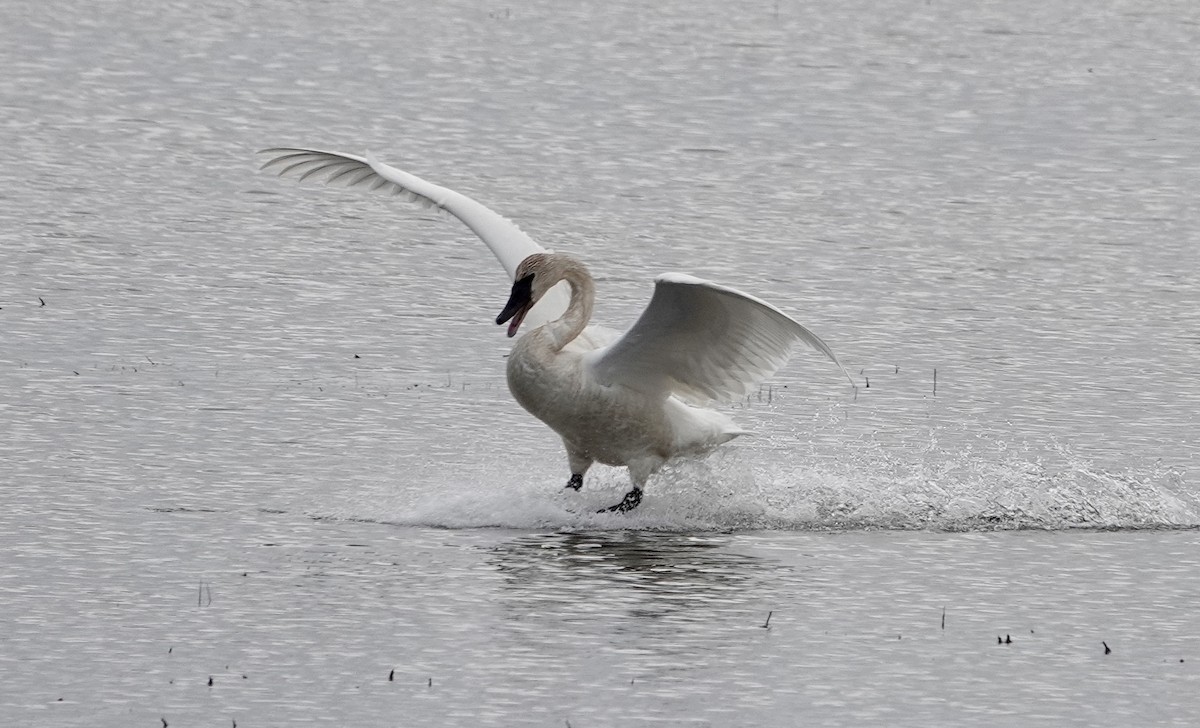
290,400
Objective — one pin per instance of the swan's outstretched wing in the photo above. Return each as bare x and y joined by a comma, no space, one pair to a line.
507,241
702,342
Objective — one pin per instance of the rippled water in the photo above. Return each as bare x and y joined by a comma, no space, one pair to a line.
290,400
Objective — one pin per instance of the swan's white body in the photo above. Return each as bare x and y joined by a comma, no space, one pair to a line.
634,400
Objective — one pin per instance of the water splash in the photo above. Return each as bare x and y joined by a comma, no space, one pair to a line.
945,491
936,488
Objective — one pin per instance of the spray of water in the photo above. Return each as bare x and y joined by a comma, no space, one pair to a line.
936,488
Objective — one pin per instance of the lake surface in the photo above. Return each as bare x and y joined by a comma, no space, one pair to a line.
258,432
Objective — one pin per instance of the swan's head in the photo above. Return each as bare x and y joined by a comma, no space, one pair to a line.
534,276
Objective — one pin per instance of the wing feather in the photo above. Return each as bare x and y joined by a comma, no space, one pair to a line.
507,242
701,342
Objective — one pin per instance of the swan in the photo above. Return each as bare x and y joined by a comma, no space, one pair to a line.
637,399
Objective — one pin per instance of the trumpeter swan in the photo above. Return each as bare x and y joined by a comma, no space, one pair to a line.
635,400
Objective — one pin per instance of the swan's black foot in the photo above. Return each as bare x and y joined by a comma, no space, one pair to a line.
627,504
576,481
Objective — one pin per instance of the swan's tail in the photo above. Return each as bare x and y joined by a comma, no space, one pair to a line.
698,430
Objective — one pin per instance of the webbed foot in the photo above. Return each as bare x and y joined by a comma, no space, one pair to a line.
627,504
576,481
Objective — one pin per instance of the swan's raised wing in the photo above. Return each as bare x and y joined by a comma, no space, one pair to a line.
701,341
507,242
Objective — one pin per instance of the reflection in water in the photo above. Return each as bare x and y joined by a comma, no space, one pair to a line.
642,591
662,563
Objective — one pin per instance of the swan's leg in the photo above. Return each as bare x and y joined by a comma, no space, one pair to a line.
639,472
579,465
627,504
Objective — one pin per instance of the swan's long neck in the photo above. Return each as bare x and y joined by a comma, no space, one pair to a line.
564,329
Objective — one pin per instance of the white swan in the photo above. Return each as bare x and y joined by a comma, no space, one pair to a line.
635,400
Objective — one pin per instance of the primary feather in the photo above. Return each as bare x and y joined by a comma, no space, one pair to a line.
507,242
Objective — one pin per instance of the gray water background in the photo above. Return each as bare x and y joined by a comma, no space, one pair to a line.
260,429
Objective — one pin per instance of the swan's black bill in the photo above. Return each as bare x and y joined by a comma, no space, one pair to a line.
519,303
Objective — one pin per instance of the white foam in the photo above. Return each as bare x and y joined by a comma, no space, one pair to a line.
934,489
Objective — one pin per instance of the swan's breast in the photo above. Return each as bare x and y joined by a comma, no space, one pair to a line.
611,424
549,385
